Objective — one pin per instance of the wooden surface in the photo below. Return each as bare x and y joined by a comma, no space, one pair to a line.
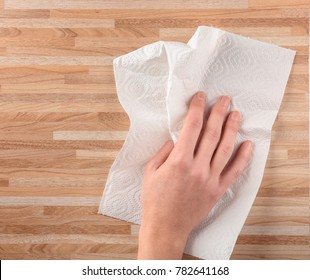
61,124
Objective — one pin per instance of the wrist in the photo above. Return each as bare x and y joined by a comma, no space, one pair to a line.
158,242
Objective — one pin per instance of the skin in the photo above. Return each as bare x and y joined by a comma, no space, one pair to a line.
183,182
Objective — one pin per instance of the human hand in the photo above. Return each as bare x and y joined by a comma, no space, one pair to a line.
183,182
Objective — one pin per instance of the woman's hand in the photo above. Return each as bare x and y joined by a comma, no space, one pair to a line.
182,182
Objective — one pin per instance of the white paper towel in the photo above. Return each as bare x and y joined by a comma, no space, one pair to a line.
154,85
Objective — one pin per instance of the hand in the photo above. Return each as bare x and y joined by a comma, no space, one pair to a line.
183,182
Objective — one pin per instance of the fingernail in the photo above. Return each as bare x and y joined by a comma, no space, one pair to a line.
225,100
235,115
201,95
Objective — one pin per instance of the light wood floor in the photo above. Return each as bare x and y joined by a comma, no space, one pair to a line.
60,121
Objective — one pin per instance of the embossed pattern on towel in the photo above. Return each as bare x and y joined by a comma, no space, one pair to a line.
154,85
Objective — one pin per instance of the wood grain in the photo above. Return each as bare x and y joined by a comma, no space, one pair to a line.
61,124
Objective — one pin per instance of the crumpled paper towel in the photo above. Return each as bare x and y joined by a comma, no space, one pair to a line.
154,85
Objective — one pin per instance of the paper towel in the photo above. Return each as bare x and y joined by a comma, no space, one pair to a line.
154,85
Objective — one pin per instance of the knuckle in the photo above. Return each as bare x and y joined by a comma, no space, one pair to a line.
215,192
179,162
213,133
195,123
198,176
226,150
233,126
213,187
236,173
219,109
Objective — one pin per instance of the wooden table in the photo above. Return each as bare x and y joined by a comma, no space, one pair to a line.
60,112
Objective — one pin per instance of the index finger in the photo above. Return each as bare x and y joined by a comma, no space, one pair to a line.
192,126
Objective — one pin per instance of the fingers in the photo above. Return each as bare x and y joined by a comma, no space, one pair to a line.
226,145
192,126
213,130
161,156
237,166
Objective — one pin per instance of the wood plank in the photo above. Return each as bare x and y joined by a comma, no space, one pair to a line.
89,135
48,201
57,89
180,13
114,4
215,22
26,14
276,3
55,23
